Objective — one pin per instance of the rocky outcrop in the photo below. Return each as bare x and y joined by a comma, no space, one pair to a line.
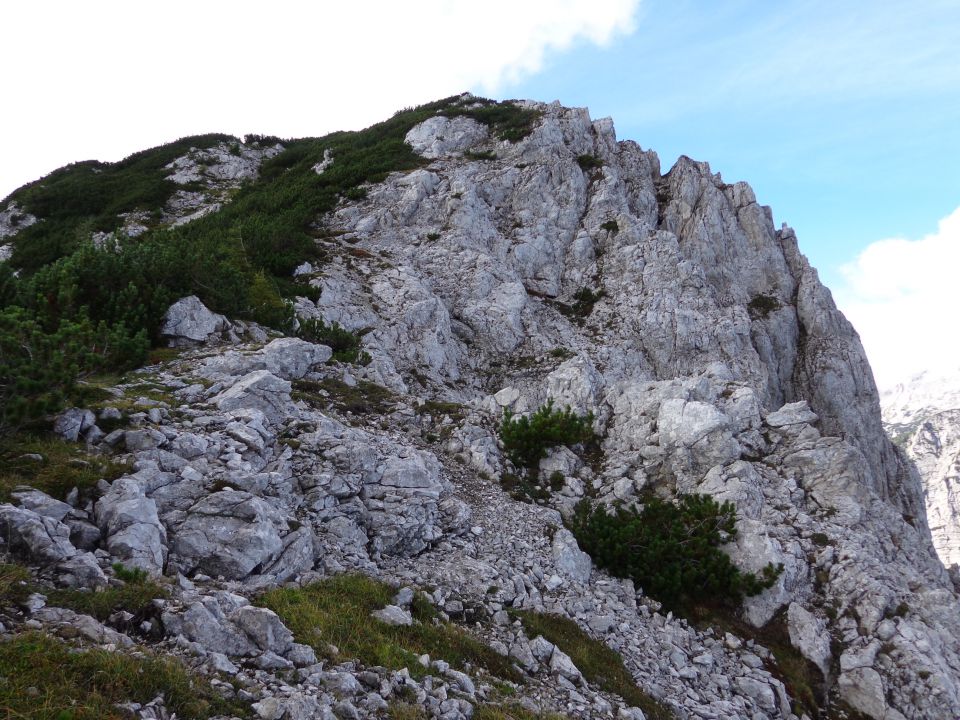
497,276
923,418
216,171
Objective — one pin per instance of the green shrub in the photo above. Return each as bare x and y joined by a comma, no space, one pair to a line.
583,301
345,344
672,550
527,439
589,162
266,305
611,226
762,305
41,363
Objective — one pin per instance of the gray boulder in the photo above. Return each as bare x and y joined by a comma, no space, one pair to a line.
569,558
40,538
287,358
189,322
128,520
230,533
259,390
41,503
74,422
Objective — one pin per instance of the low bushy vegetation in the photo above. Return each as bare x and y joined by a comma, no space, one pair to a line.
589,162
599,664
337,612
52,465
104,306
346,345
671,550
46,679
14,583
761,306
364,398
41,362
527,439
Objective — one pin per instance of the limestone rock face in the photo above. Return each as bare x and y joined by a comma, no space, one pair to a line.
923,417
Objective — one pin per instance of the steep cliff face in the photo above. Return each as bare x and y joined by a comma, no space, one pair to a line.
503,273
923,416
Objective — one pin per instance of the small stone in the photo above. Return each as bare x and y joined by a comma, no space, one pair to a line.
393,615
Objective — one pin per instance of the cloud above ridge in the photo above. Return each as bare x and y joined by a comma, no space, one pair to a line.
902,297
106,78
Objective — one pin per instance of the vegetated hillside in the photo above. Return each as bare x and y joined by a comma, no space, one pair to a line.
414,372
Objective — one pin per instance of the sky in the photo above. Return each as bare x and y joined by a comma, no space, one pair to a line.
843,117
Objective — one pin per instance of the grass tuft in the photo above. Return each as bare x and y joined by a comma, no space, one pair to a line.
599,664
46,679
337,612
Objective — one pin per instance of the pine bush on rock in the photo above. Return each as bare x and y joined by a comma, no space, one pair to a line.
527,439
672,550
345,344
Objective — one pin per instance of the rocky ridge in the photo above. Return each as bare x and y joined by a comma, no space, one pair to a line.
711,356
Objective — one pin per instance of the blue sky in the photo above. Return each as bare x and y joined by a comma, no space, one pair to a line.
844,117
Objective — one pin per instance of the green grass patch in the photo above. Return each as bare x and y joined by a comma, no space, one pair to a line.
14,583
337,611
599,664
101,603
43,678
62,466
438,408
479,155
802,679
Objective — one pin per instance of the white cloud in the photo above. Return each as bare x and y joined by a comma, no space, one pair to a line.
903,297
104,78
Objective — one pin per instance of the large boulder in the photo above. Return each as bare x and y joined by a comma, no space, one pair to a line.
129,522
259,390
189,322
38,537
230,533
439,136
